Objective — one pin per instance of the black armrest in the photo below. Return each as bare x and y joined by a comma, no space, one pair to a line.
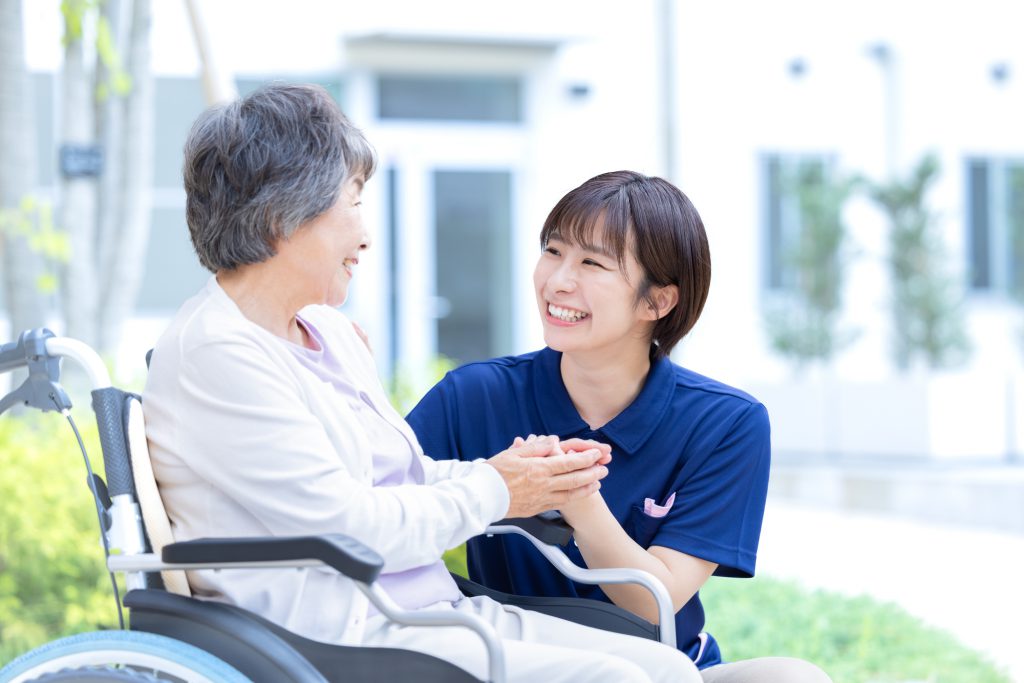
547,527
347,555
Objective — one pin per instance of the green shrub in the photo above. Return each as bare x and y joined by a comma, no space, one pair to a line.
52,578
455,560
803,320
856,640
927,301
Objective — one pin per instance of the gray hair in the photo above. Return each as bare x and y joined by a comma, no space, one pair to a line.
258,168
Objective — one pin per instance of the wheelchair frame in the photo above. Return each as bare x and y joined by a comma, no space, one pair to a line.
224,642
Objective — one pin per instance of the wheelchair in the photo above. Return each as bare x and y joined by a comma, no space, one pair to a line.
172,636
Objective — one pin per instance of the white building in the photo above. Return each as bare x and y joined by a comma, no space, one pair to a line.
484,114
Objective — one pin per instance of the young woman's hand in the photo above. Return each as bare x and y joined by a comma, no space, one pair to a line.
569,445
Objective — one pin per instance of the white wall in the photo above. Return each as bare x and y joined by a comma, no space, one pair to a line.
738,98
735,99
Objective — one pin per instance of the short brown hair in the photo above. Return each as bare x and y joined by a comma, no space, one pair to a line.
658,222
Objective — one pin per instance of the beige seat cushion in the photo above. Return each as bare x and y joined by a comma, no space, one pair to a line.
154,516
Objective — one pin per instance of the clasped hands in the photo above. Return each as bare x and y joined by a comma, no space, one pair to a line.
543,473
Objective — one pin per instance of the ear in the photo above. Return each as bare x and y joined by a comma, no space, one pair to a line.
663,299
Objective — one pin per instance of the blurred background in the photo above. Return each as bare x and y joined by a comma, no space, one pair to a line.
859,168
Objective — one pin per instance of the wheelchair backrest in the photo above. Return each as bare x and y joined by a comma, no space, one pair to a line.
154,515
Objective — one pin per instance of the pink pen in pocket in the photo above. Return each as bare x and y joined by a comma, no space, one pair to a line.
652,509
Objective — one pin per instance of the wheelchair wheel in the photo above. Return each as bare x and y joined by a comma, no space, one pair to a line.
119,656
96,674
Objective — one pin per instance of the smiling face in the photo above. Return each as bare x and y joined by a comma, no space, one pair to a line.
322,253
641,228
587,302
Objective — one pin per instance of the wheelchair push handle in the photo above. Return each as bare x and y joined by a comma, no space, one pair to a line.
12,355
30,347
107,403
41,390
40,350
82,354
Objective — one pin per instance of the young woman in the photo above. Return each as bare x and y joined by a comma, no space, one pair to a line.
623,275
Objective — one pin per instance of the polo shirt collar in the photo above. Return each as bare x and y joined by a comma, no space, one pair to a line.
630,429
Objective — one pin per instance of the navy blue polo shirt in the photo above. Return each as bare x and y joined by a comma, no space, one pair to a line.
684,435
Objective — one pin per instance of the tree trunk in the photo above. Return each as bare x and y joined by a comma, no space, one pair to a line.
122,270
218,84
77,213
26,306
110,134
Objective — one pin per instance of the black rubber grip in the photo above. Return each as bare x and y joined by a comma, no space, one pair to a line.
347,555
109,405
547,527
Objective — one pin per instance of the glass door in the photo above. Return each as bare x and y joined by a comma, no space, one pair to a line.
472,247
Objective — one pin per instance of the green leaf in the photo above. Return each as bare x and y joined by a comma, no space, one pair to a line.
47,283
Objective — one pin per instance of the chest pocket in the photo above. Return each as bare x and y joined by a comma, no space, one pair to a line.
642,527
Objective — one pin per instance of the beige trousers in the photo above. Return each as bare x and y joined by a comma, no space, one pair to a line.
540,648
766,670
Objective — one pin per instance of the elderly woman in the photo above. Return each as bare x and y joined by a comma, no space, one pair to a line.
265,415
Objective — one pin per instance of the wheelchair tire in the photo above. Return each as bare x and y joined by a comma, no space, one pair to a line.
96,674
121,656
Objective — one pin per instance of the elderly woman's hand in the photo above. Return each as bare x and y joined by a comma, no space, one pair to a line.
541,477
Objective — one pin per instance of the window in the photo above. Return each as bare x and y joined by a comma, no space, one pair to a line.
450,98
789,182
472,219
995,225
334,86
